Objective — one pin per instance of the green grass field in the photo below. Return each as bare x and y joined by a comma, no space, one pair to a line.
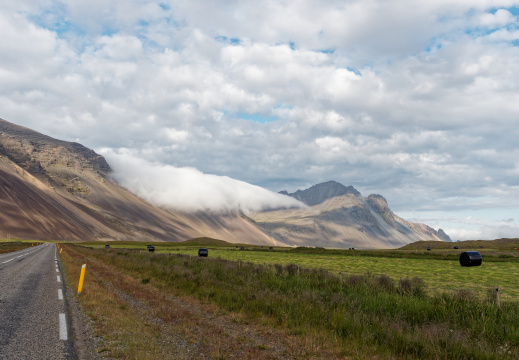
439,275
440,270
359,316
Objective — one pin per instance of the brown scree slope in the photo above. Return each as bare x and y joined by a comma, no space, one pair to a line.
53,189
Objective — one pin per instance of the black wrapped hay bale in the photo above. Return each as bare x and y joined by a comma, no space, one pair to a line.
151,248
471,258
203,252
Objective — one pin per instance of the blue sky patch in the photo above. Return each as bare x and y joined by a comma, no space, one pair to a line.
354,70
327,51
283,106
225,39
164,7
513,10
259,118
56,22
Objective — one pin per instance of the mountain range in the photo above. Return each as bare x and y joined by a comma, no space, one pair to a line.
339,216
57,190
53,189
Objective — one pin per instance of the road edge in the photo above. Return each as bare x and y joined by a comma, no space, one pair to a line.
80,326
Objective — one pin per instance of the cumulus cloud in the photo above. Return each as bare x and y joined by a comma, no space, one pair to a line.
500,18
417,101
188,189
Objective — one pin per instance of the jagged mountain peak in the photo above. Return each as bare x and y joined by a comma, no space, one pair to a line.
443,235
338,216
319,193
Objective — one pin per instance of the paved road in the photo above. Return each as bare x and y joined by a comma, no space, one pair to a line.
33,318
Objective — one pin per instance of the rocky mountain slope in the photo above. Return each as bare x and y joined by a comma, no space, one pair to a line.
53,189
338,216
59,190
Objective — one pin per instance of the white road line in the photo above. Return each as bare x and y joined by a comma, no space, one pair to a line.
59,279
60,294
62,327
57,270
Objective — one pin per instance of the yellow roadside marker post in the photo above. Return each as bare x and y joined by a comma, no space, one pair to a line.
81,279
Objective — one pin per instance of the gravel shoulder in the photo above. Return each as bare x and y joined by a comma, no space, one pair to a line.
81,327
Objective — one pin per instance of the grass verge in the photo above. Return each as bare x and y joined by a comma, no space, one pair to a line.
6,247
359,316
136,317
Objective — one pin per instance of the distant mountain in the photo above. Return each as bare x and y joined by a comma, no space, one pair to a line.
59,190
322,192
338,216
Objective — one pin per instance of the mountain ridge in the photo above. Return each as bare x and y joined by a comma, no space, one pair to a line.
57,190
339,215
319,193
52,189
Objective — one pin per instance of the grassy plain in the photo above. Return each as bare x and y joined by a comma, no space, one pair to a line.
362,315
439,275
439,269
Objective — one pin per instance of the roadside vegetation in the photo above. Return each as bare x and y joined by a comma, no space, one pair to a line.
320,313
440,271
135,316
10,246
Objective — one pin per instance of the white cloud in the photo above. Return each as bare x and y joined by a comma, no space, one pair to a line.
500,18
176,135
417,101
119,47
188,189
467,225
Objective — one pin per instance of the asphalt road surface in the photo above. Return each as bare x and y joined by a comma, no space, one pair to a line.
33,316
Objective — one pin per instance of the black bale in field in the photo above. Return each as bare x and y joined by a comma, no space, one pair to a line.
203,252
107,246
456,247
471,258
151,248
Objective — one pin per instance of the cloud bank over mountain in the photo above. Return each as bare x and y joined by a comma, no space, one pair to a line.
190,190
414,100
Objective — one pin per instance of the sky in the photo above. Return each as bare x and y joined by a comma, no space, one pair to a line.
415,100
